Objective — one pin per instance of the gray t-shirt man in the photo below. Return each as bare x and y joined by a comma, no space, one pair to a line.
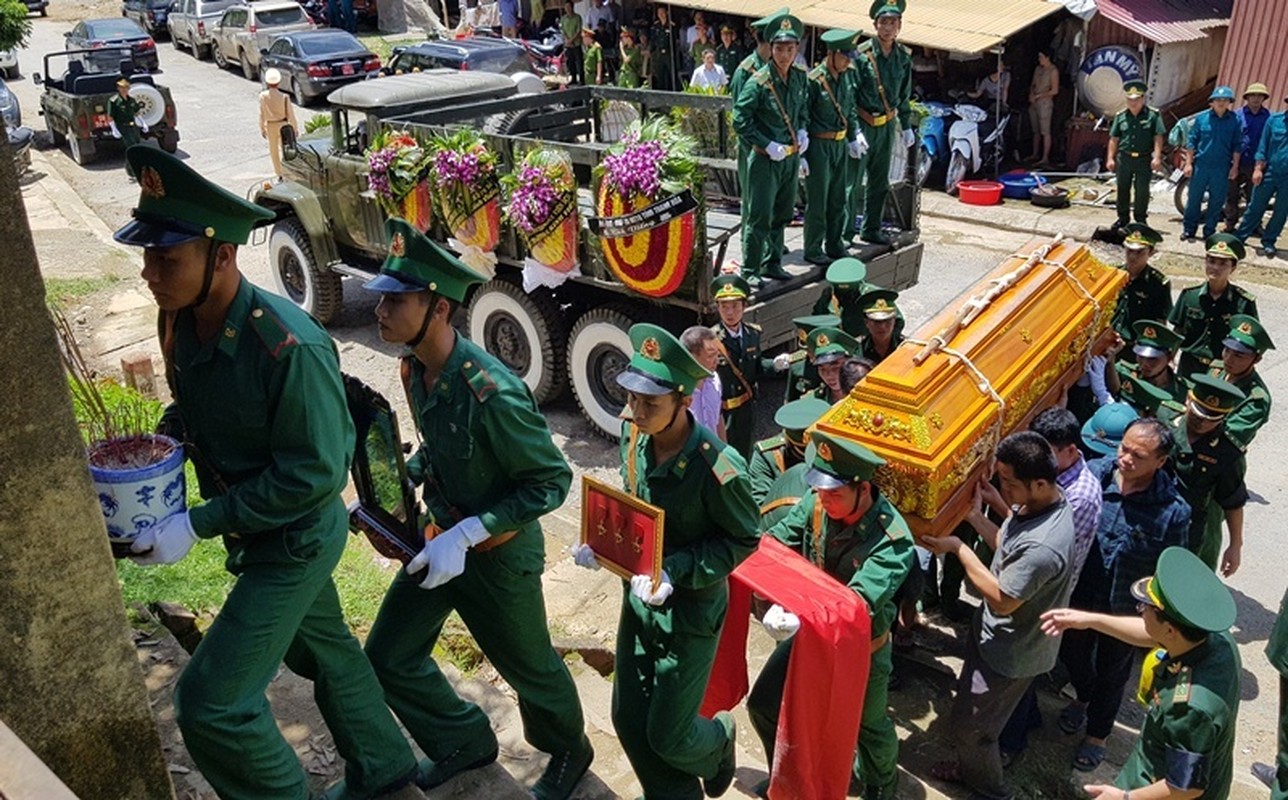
1034,565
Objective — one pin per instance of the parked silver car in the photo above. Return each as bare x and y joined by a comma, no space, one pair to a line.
192,24
246,29
9,63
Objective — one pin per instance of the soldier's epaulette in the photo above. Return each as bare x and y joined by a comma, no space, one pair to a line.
722,467
272,332
480,382
1158,275
761,77
753,326
864,46
907,51
800,67
1184,684
799,355
772,443
895,527
1245,294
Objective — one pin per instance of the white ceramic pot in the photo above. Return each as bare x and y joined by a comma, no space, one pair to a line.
135,499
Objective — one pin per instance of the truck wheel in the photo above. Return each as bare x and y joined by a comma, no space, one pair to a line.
57,137
505,123
218,56
598,349
82,150
1181,195
525,331
202,53
297,274
248,69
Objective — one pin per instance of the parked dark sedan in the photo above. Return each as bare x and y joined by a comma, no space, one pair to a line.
150,14
313,63
114,32
477,54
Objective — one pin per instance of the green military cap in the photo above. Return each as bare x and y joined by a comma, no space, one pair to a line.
1141,236
806,324
1187,591
730,287
1212,398
1144,396
416,264
835,462
795,417
177,205
882,8
840,41
785,29
878,304
1225,245
826,345
660,364
1104,431
1248,335
768,19
847,273
1134,89
1154,338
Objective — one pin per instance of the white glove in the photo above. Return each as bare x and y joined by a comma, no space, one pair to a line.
583,556
909,137
115,133
143,126
780,624
775,151
782,362
802,140
444,555
859,147
164,543
642,587
804,168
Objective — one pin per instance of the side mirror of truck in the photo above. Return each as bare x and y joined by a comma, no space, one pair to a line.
35,78
290,151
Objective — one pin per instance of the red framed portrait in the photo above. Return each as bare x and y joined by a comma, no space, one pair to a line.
624,531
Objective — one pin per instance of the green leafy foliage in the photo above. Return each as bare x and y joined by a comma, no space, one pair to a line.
15,26
317,122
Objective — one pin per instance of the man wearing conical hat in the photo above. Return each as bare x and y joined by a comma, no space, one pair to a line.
1202,313
770,118
668,631
261,410
490,472
1254,115
1189,683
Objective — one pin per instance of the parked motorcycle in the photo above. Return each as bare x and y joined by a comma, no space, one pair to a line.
975,140
545,53
934,139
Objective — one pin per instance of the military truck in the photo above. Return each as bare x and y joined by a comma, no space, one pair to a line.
329,224
77,90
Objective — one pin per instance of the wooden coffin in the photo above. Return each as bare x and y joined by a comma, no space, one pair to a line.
979,370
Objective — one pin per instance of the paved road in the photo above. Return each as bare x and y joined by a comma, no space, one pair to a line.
220,137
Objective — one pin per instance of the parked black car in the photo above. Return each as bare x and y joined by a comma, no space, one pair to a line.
313,63
114,32
38,5
151,15
477,54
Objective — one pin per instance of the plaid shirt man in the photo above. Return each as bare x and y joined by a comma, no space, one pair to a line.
1083,493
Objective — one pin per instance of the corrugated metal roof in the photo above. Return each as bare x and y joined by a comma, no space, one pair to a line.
965,26
1254,48
1165,21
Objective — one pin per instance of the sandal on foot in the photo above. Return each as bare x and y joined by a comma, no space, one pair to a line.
1072,718
946,771
1088,757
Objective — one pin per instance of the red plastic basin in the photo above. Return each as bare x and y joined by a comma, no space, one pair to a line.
980,193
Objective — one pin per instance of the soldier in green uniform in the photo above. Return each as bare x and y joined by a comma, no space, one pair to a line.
848,529
1148,293
1189,683
773,456
835,140
1276,777
1202,313
1147,399
802,376
261,411
1155,343
846,285
489,471
667,634
1241,351
770,116
1210,467
884,84
738,78
126,121
1135,152
827,349
729,53
879,311
741,363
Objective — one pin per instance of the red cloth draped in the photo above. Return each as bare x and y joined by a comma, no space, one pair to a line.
823,699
